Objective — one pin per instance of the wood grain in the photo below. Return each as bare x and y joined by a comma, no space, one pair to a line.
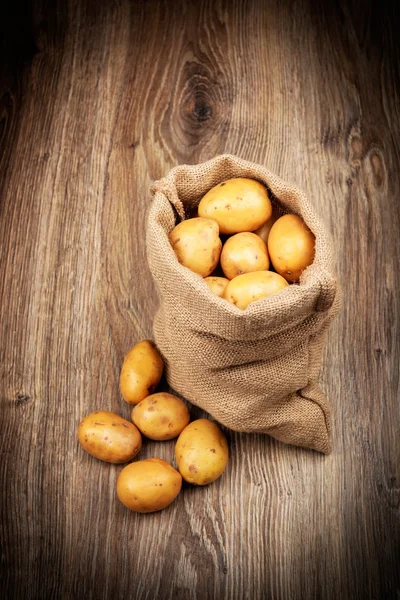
105,98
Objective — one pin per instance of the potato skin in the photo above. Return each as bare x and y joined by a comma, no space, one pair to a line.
197,245
291,246
201,452
217,285
263,231
244,253
161,416
245,289
148,485
238,204
141,372
109,437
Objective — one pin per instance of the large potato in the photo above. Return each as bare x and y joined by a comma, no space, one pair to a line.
161,416
109,437
237,205
201,452
245,289
291,246
141,372
244,253
263,231
217,285
197,245
148,485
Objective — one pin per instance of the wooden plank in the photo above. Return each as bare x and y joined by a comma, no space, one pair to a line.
116,95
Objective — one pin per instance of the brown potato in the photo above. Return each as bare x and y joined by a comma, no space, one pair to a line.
161,416
263,231
197,245
141,372
109,437
244,253
201,452
217,285
148,485
237,205
245,289
291,246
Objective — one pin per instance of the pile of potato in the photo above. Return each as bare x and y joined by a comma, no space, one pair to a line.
201,450
258,241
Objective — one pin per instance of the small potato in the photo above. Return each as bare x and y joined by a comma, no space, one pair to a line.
109,437
148,485
247,288
244,253
291,246
263,231
201,452
197,245
217,285
141,372
237,205
161,416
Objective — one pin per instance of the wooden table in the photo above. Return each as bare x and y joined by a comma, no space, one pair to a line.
98,100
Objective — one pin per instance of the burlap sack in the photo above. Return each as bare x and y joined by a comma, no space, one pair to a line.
254,370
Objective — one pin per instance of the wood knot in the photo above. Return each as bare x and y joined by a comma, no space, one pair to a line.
202,111
22,398
378,169
197,110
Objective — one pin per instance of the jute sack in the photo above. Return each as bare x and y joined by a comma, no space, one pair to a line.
254,370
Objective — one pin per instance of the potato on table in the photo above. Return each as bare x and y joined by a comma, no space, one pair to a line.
141,372
201,452
161,416
148,485
238,204
109,437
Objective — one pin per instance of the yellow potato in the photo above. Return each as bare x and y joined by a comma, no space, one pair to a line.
161,416
291,246
217,285
141,372
201,452
109,437
197,245
245,289
263,231
148,485
237,205
244,253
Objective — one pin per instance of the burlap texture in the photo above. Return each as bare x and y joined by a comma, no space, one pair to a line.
254,370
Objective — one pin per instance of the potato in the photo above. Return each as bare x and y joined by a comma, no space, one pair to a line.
109,437
245,289
291,246
244,253
237,205
201,452
148,485
161,416
263,231
197,245
141,372
217,285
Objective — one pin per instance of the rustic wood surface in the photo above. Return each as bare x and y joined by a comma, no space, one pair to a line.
97,100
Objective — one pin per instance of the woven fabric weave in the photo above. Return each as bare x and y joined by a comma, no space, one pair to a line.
253,370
